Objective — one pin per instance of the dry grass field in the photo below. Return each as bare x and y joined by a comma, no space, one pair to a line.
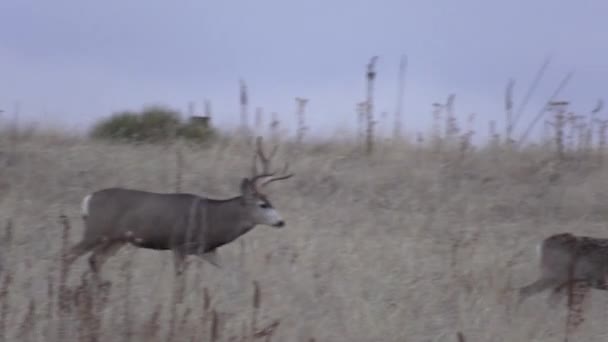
408,244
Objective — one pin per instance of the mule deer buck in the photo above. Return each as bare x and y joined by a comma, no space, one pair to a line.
566,259
184,223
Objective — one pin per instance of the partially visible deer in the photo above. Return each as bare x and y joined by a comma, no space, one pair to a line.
184,223
574,262
568,258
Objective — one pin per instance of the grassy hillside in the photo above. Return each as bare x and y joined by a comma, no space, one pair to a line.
409,244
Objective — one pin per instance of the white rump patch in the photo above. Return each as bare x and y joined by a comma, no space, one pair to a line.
539,250
85,205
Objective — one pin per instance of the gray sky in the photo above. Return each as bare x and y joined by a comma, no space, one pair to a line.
76,61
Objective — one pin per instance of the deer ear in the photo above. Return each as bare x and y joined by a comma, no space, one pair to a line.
246,188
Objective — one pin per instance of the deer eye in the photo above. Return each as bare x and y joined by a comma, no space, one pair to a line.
264,205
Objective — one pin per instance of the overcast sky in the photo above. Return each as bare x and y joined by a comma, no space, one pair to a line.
76,61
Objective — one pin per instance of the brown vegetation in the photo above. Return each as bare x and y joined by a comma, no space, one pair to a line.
386,240
415,242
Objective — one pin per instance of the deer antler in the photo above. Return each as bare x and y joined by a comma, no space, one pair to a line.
263,158
284,175
265,161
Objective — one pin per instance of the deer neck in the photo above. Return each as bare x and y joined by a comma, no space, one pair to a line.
227,221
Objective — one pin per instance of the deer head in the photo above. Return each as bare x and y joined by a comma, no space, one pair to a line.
262,211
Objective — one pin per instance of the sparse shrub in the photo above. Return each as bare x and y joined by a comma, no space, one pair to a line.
195,131
151,125
159,123
123,125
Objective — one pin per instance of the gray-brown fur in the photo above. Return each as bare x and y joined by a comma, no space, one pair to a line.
567,258
186,224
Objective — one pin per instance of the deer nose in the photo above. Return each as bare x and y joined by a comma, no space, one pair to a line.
280,224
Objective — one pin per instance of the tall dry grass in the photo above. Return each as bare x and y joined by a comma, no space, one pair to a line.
412,243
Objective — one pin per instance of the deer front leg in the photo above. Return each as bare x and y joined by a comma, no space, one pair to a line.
180,266
212,257
179,261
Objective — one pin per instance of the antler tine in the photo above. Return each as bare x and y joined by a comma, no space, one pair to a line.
260,152
265,161
255,179
284,176
274,151
254,165
255,174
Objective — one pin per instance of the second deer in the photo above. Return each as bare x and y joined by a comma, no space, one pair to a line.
567,258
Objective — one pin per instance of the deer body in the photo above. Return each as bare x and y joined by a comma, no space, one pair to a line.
567,258
186,224
165,221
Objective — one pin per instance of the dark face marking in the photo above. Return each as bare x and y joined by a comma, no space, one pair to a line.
263,201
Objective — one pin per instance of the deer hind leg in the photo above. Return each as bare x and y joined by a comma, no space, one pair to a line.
556,294
578,291
77,251
534,288
101,254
